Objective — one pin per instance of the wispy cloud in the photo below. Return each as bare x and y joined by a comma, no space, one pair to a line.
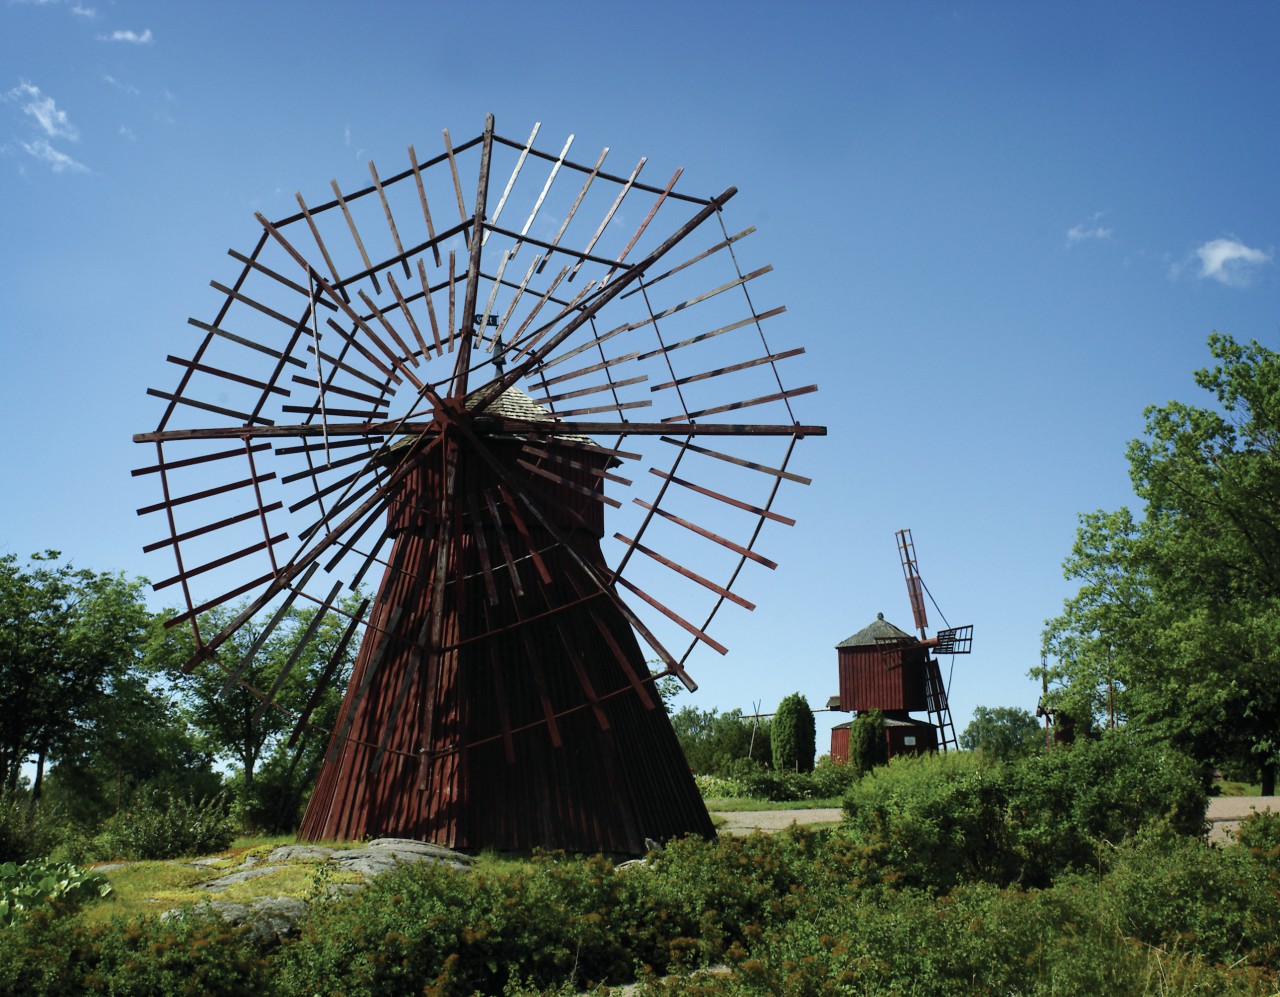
132,37
121,86
59,162
44,109
1092,229
86,12
1230,262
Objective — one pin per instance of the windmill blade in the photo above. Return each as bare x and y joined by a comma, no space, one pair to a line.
956,640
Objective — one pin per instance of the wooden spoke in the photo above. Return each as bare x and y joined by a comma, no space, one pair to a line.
355,234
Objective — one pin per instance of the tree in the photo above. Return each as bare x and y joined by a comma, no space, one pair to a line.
67,637
713,741
794,736
226,699
868,745
138,738
1180,607
1003,732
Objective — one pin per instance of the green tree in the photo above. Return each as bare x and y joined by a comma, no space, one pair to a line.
713,741
794,737
68,636
229,700
868,745
1002,731
138,738
1179,607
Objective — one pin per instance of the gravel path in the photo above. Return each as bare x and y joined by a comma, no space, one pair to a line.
746,821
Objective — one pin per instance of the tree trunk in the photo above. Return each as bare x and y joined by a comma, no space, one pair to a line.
1268,778
36,785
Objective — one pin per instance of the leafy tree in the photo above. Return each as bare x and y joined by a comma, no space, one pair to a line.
226,699
68,637
794,736
868,746
1180,606
1002,732
713,741
138,738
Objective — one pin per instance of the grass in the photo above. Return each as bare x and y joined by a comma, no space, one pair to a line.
1224,787
738,805
147,887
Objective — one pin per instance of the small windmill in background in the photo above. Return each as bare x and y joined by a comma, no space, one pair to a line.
884,668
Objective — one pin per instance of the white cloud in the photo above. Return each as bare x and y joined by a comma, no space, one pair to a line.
1230,262
127,132
1092,229
52,122
85,12
121,86
59,162
132,37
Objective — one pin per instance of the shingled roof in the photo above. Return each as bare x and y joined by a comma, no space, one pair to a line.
878,629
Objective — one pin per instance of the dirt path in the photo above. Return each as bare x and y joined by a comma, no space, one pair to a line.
1224,815
1226,812
746,821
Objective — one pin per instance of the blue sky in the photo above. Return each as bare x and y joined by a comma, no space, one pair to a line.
1000,231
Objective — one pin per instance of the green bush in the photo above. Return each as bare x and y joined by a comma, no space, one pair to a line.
830,779
1070,807
1260,834
939,820
33,885
156,826
28,832
868,746
793,736
196,956
932,821
1183,893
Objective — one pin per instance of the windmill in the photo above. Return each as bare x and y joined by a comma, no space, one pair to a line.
923,653
399,383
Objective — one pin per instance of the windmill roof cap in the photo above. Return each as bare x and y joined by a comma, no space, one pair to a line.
876,630
515,404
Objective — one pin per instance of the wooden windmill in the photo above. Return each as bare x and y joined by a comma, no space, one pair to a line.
884,668
447,402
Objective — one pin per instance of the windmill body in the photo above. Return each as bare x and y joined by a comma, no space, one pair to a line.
513,406
442,738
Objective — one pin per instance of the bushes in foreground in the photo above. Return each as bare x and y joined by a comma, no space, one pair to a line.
936,821
797,912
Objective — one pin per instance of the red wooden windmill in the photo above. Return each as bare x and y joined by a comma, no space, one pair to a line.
447,403
884,668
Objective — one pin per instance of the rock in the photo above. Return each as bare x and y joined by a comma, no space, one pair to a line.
240,876
270,920
300,853
384,854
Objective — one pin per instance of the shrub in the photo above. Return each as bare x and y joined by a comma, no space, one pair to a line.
194,956
932,821
830,779
1260,834
156,826
33,885
1068,808
715,743
1183,893
26,831
793,736
868,746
